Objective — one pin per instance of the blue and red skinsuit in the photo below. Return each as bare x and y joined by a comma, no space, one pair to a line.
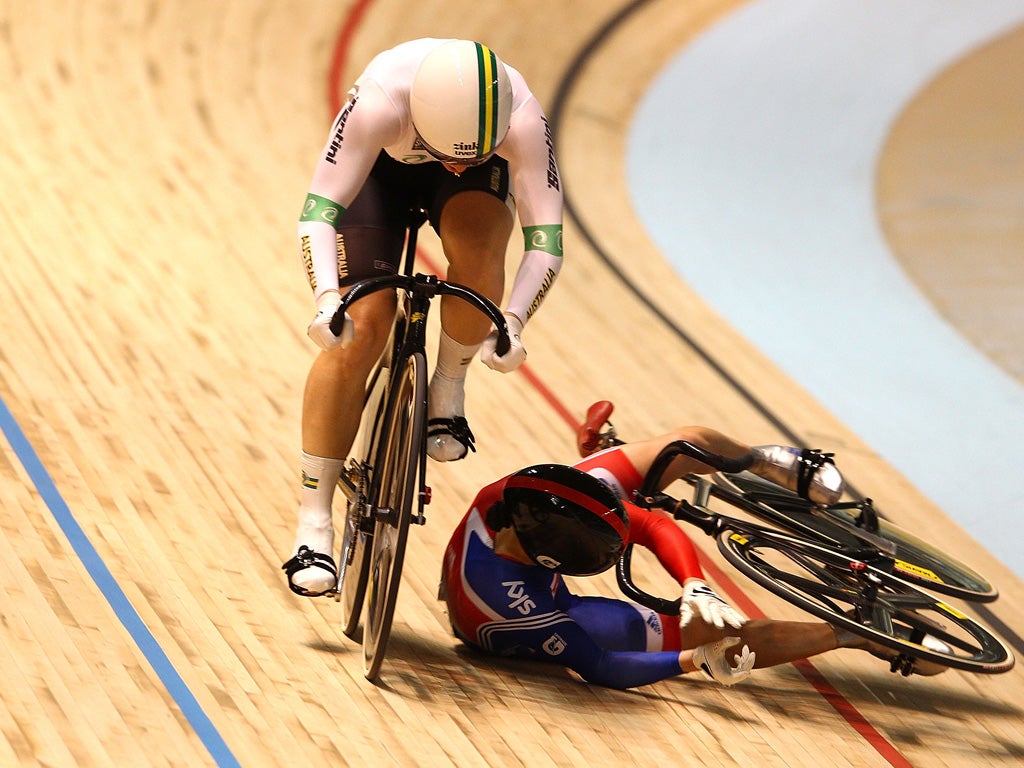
511,609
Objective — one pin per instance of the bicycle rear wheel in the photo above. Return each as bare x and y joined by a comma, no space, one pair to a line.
397,466
354,562
354,568
914,559
871,602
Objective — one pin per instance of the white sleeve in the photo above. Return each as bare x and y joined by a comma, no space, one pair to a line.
366,123
538,190
536,274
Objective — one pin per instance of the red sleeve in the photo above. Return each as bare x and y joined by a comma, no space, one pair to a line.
612,467
655,531
669,543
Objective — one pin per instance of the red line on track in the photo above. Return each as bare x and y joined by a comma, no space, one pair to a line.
838,702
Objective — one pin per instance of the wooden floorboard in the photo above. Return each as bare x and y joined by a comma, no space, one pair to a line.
153,353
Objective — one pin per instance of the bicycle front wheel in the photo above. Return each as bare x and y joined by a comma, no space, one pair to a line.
871,602
397,470
354,564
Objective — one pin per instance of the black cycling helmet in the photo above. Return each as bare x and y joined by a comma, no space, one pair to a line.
565,519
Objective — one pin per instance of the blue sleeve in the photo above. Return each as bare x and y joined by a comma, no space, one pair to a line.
628,669
572,647
600,639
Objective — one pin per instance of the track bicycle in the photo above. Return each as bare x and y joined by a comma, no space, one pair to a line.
837,562
384,483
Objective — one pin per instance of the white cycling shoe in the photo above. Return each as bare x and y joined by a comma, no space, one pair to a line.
449,439
311,574
783,465
907,665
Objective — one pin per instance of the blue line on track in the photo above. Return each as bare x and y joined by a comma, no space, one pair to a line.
115,596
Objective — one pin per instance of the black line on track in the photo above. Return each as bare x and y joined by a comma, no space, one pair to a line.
558,106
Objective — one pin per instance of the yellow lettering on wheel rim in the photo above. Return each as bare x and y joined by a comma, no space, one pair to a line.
917,570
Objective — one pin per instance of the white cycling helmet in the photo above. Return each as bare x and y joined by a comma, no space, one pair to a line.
461,101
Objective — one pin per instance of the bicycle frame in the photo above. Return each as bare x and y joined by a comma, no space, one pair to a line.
782,513
841,563
410,328
385,484
409,335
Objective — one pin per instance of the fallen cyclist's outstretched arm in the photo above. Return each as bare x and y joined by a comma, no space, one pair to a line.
712,660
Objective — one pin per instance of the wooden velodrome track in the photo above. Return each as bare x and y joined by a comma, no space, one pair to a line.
152,357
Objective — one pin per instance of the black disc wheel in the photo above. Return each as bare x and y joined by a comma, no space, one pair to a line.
910,557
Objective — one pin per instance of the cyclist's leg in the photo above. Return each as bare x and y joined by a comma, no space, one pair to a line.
847,639
369,243
622,626
780,464
473,216
773,642
642,453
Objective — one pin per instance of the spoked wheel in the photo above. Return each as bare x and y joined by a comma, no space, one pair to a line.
871,602
354,568
354,565
912,559
397,467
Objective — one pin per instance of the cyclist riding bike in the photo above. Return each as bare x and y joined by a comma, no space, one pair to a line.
446,127
502,571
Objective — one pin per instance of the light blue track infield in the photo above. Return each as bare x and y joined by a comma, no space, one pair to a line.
751,162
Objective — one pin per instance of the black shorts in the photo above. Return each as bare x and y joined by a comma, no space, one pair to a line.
371,235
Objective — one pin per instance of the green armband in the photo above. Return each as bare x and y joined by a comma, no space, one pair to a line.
321,209
547,238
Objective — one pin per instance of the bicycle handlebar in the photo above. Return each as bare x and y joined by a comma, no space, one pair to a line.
637,595
427,286
682,510
651,496
683,448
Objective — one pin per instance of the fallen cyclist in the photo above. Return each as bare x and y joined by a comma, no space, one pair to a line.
502,572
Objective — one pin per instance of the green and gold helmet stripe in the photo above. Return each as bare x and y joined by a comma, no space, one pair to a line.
487,64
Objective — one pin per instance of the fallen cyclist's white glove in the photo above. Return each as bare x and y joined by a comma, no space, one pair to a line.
516,353
698,597
710,658
320,328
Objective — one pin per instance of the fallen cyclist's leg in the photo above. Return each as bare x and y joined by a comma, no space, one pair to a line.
898,661
810,473
777,642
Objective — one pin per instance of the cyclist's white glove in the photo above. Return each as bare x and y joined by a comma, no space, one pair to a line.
698,597
320,329
710,658
516,353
